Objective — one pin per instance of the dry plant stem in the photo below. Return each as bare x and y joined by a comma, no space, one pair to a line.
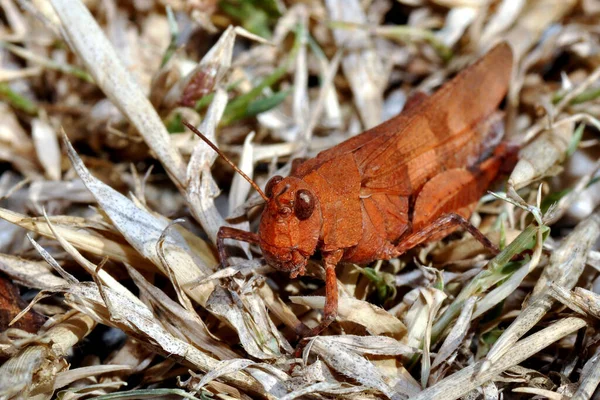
140,322
79,238
318,109
362,65
32,274
565,202
484,280
67,377
471,377
589,380
542,122
201,189
549,394
88,41
456,335
18,373
89,267
566,265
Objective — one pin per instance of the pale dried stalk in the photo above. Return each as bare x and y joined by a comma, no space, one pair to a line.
201,187
533,21
375,319
67,377
37,365
87,39
542,122
590,378
565,267
549,394
473,376
538,157
31,274
47,148
113,309
362,65
457,333
79,238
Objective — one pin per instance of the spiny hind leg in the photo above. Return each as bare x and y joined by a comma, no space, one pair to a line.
445,203
438,229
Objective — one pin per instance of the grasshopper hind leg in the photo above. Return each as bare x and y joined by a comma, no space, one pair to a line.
439,228
445,203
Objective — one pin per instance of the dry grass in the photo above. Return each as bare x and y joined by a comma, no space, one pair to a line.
110,209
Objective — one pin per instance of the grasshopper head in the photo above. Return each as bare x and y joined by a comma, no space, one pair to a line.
290,225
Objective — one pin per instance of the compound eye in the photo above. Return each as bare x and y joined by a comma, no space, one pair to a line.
271,184
304,204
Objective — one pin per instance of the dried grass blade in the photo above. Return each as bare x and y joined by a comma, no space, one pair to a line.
380,345
32,274
565,267
375,319
473,376
224,368
90,268
67,377
314,388
201,187
87,40
71,280
257,342
143,231
590,378
19,375
138,320
362,65
241,187
47,148
350,364
456,335
78,237
188,323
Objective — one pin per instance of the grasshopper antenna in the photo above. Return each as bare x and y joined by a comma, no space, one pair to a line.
224,157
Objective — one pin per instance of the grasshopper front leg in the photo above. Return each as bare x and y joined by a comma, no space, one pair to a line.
226,232
330,311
